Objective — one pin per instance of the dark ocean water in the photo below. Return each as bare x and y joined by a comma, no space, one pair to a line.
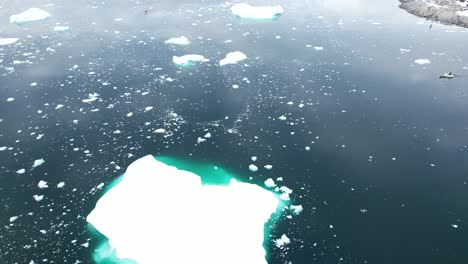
384,181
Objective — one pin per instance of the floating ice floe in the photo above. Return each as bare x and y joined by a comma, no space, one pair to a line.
178,41
233,58
160,131
296,209
200,140
42,185
7,41
283,241
30,15
270,183
61,28
60,184
244,10
422,61
38,163
268,167
211,224
21,171
91,98
38,198
13,218
253,168
189,59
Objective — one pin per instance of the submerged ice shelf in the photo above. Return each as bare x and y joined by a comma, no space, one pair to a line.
157,211
30,15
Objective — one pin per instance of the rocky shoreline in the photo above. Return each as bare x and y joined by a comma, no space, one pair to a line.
451,12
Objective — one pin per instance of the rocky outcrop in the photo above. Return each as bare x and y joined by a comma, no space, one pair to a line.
452,12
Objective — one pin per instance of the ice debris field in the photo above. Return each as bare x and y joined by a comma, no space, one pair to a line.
155,211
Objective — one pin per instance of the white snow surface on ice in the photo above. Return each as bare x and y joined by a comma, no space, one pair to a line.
232,58
178,41
244,10
158,211
7,41
30,15
188,59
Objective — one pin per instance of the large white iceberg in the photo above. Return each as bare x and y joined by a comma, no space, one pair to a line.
7,41
244,10
30,15
188,59
178,41
232,58
159,214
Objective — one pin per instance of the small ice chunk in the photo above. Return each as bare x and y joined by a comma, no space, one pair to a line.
91,98
61,28
148,108
207,135
30,15
270,183
254,158
283,241
33,84
296,209
286,192
233,58
13,218
235,86
268,167
7,41
282,118
42,184
189,59
38,198
318,48
160,131
178,41
85,244
422,61
38,163
244,10
60,184
455,226
10,99
200,140
21,171
253,168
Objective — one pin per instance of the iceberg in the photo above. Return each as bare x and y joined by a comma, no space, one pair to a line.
233,58
7,41
157,213
244,10
61,28
188,60
178,41
30,15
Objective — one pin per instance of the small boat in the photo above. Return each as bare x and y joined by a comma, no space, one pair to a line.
447,75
